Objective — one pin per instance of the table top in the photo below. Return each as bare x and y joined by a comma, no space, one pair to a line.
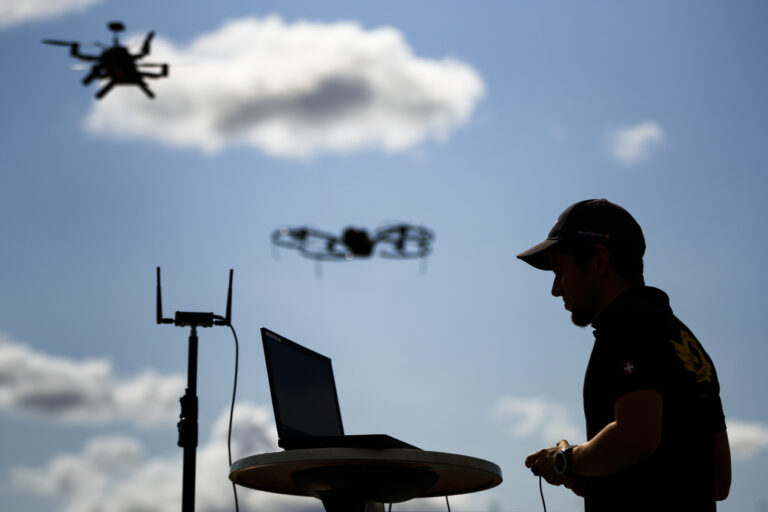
274,472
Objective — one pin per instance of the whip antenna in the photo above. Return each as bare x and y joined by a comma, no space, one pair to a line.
228,316
159,299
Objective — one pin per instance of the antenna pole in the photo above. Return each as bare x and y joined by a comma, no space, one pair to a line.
188,424
188,427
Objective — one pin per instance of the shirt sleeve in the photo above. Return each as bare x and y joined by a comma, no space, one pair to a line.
714,414
713,406
634,363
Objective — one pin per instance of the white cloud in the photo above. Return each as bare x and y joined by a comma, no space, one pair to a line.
548,420
632,144
747,439
551,422
293,90
77,474
86,391
13,12
112,474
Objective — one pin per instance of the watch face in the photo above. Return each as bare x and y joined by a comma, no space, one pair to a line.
560,463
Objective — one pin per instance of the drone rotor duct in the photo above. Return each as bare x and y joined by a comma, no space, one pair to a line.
407,241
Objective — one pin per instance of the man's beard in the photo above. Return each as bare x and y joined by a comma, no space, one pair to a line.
582,316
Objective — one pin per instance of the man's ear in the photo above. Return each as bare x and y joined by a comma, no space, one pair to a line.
601,259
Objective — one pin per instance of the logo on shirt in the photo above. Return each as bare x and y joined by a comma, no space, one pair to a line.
629,368
690,353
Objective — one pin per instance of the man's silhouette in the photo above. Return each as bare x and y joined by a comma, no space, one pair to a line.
656,432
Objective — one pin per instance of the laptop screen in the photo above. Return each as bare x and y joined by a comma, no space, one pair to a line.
303,390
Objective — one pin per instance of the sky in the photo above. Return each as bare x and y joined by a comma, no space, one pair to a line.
479,120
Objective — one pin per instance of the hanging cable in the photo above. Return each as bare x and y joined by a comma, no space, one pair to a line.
231,412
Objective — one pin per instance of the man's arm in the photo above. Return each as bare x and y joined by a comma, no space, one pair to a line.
722,466
631,438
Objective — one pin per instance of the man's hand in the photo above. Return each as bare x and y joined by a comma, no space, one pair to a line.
576,485
542,463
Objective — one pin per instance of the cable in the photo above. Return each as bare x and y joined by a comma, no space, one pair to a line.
541,491
231,412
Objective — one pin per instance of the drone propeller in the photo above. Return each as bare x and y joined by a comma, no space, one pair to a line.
56,42
145,49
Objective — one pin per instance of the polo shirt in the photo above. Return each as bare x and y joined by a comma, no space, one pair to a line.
640,344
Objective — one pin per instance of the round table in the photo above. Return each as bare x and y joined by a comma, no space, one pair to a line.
347,478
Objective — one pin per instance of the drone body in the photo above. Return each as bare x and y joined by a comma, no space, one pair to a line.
116,63
403,241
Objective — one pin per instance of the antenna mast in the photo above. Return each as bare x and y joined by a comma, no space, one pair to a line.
189,405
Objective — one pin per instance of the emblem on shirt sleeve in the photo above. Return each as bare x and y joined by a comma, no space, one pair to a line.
690,353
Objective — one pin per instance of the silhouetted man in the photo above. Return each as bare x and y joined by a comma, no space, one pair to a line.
655,426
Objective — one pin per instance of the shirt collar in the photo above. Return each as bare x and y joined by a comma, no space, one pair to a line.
633,296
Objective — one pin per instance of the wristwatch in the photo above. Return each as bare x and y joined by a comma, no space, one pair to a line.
563,462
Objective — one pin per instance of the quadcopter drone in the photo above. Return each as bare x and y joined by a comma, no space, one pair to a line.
403,241
116,63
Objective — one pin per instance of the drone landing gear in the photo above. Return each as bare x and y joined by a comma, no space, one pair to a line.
90,77
144,87
146,90
104,90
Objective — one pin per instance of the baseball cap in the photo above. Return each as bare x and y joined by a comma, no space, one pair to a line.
593,219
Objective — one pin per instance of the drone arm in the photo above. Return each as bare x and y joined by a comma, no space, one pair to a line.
159,74
74,51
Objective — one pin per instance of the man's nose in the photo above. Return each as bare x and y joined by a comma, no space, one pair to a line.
556,290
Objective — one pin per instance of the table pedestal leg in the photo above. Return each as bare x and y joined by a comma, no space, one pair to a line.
340,504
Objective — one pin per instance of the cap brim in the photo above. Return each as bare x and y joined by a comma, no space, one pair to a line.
538,255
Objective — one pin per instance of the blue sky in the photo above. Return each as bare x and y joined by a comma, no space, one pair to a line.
481,120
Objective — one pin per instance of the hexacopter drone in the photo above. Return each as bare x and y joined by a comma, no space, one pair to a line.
116,63
403,241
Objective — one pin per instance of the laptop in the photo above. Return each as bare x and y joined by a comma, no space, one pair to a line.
304,399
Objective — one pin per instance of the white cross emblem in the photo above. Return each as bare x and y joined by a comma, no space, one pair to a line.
629,367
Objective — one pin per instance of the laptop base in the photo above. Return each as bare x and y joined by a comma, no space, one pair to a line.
371,441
